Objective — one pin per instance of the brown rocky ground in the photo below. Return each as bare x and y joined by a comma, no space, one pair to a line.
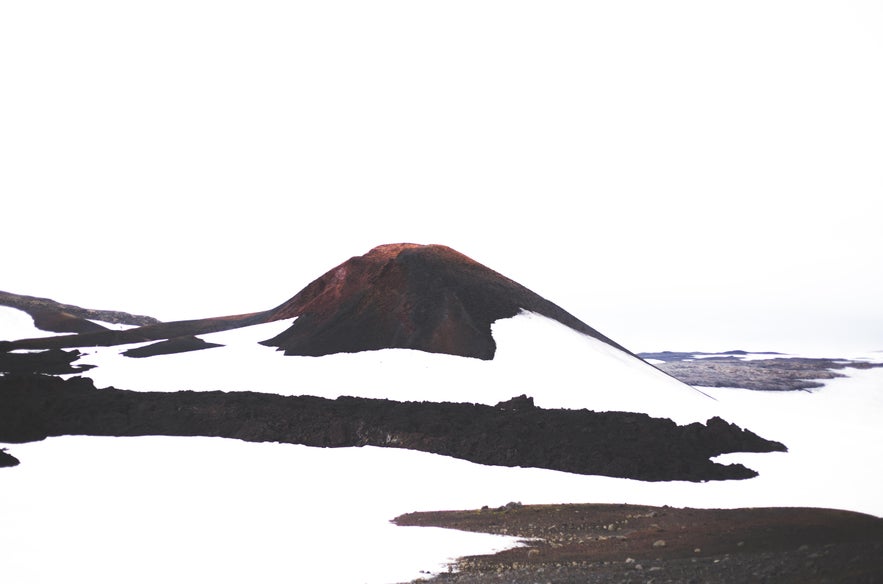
631,543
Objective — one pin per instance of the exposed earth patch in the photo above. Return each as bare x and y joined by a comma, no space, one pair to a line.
575,544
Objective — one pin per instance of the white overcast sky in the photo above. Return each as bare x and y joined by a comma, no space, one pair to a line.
680,175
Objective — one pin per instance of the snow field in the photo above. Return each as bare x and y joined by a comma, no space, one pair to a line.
16,324
184,509
536,356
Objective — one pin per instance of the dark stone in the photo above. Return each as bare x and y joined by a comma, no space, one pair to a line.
618,444
174,345
521,402
51,361
7,459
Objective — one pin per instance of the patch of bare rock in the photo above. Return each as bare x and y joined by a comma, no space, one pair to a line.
568,544
7,459
770,374
512,433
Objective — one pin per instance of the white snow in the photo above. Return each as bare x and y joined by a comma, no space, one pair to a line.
16,324
211,510
834,431
184,509
115,326
536,356
223,510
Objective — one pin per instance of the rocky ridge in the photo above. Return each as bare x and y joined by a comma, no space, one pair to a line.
512,433
53,316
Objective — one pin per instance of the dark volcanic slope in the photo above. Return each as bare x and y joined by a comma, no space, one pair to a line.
513,433
426,297
7,459
407,296
179,331
53,316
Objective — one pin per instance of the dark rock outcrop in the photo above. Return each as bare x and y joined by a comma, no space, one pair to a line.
772,374
7,459
53,316
180,330
514,433
50,362
181,344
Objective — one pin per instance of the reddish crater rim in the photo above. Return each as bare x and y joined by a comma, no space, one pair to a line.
393,250
358,274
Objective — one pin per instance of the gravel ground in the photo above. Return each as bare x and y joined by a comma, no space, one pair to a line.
631,544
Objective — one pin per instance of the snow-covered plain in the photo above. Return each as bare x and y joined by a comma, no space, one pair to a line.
536,356
185,509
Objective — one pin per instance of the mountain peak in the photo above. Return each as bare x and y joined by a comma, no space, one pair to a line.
394,249
397,296
403,295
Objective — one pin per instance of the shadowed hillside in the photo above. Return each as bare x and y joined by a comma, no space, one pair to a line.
425,297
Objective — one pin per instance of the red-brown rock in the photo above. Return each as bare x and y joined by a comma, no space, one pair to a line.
426,297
